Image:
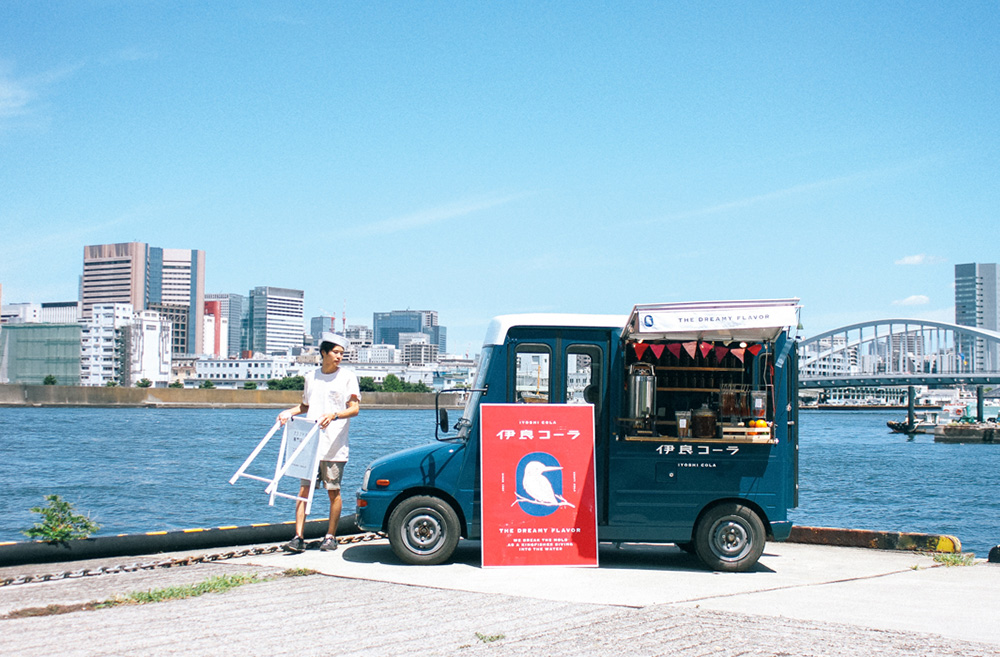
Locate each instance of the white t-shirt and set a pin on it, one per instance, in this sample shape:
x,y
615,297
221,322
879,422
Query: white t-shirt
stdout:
x,y
329,393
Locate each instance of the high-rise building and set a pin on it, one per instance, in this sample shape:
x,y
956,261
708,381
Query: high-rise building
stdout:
x,y
114,273
235,309
177,278
216,329
388,326
148,277
320,325
276,320
977,287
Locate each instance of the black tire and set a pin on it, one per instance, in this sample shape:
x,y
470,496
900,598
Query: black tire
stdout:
x,y
423,530
730,537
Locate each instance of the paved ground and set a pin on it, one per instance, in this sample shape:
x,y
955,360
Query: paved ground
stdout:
x,y
802,600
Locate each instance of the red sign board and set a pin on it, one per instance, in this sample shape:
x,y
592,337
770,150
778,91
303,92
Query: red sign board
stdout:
x,y
539,499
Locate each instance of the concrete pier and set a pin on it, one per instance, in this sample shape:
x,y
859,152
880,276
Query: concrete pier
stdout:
x,y
643,600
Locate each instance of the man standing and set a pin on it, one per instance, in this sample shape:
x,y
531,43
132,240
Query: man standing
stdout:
x,y
330,398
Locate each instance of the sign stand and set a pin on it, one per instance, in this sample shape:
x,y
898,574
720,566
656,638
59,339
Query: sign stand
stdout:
x,y
298,456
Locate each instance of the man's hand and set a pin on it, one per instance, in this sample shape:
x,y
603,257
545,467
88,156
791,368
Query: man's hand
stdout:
x,y
286,415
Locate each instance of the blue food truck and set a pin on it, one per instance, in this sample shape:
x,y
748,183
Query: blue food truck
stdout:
x,y
695,429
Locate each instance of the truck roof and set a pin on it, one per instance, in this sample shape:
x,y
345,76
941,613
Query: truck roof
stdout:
x,y
754,319
497,330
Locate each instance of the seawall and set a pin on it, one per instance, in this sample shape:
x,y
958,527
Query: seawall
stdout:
x,y
17,394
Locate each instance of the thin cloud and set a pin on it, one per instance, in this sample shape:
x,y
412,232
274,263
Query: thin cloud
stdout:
x,y
432,216
796,190
913,300
920,259
15,96
20,96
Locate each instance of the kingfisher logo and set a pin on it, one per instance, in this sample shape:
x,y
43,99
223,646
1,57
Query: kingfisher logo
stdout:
x,y
539,484
647,321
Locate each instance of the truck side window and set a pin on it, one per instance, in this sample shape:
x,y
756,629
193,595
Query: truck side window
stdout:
x,y
583,374
532,378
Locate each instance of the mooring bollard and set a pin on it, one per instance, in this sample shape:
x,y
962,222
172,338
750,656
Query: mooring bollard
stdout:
x,y
994,554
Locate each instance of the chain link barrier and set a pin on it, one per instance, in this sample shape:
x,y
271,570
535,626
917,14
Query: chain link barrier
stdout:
x,y
170,563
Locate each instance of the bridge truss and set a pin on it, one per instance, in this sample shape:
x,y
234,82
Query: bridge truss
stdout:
x,y
900,352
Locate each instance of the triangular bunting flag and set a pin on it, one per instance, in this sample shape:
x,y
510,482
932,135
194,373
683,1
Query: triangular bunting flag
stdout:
x,y
755,349
738,353
675,349
705,347
640,349
720,353
657,350
691,348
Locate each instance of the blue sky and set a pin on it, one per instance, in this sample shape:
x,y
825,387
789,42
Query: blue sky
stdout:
x,y
486,158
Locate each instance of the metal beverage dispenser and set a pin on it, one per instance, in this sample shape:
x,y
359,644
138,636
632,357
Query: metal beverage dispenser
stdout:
x,y
642,395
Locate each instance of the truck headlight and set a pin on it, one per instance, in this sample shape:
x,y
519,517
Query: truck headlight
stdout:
x,y
364,483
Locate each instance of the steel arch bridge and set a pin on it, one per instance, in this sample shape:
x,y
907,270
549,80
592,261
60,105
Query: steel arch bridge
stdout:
x,y
887,352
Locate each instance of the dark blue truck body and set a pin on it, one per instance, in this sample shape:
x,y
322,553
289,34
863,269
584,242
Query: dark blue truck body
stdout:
x,y
719,494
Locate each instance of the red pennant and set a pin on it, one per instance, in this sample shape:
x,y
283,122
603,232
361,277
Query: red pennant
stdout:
x,y
675,349
705,348
657,350
738,353
720,353
640,349
755,349
691,348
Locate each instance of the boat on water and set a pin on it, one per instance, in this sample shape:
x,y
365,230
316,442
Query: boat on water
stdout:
x,y
962,412
923,422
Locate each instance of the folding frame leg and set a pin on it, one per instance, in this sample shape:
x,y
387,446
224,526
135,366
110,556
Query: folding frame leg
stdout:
x,y
253,455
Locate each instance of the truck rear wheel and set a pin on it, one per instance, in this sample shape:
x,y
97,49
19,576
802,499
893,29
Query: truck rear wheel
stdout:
x,y
730,537
423,530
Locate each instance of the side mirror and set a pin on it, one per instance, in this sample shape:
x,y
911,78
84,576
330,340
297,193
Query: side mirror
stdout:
x,y
443,419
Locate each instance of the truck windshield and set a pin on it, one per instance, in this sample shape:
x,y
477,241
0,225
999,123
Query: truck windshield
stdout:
x,y
465,422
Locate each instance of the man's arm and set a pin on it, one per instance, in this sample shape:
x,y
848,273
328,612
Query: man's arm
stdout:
x,y
288,414
353,408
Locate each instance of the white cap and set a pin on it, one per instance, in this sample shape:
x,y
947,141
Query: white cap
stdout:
x,y
335,339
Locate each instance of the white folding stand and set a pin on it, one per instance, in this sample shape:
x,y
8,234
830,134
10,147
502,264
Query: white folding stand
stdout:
x,y
302,462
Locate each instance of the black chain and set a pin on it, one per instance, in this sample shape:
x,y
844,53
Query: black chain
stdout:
x,y
169,563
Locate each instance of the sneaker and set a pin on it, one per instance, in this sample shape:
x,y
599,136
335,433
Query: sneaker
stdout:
x,y
295,545
329,544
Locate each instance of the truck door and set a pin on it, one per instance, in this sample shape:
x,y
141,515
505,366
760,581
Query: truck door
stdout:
x,y
565,366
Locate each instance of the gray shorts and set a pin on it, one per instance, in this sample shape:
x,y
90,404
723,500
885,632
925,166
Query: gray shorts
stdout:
x,y
329,475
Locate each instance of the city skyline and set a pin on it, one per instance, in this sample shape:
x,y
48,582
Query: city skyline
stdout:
x,y
514,158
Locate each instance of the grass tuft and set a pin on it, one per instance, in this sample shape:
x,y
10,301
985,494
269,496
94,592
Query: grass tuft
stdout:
x,y
955,559
217,584
489,638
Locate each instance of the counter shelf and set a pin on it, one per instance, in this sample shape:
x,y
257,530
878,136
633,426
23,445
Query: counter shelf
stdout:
x,y
730,434
744,440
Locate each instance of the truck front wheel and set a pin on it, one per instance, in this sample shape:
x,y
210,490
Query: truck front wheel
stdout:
x,y
730,537
423,530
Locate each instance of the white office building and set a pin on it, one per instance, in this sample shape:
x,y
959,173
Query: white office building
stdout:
x,y
276,320
121,347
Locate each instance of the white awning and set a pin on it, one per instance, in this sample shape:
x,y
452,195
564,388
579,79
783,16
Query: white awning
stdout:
x,y
713,321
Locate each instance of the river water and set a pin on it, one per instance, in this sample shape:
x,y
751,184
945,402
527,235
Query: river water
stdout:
x,y
138,470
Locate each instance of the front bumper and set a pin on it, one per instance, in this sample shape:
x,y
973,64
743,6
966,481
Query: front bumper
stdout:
x,y
372,509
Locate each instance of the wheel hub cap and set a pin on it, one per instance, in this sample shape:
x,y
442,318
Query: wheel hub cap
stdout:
x,y
730,540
